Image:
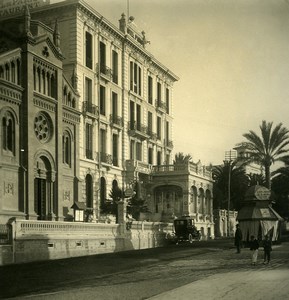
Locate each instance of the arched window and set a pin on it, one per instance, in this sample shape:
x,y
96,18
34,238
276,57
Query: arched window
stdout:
x,y
66,148
1,72
73,103
13,72
7,72
89,191
65,95
8,133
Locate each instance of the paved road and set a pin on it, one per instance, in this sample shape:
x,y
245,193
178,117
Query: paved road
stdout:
x,y
200,271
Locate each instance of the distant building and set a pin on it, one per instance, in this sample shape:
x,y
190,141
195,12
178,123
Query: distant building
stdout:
x,y
243,154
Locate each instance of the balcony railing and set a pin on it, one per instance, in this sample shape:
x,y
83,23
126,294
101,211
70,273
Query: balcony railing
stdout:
x,y
104,71
169,143
152,135
161,105
105,158
116,120
88,107
136,128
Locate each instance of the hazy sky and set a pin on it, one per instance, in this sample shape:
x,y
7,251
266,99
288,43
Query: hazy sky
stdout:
x,y
232,57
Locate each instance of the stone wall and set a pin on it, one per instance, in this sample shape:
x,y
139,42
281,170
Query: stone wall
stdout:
x,y
42,240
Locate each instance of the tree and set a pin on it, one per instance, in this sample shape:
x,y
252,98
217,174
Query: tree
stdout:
x,y
181,158
268,148
238,185
280,186
110,205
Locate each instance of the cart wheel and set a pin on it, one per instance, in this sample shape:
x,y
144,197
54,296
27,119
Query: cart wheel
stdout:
x,y
190,238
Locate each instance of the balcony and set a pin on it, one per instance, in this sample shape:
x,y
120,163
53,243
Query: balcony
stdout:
x,y
161,106
90,109
104,71
169,144
152,135
138,130
105,158
133,165
116,121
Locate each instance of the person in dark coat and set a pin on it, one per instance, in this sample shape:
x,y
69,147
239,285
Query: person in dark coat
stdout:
x,y
238,238
267,245
254,246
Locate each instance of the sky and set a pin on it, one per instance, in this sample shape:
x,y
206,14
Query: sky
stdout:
x,y
232,58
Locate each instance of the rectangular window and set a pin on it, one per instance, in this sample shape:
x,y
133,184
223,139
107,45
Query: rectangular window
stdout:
x,y
102,100
159,128
114,105
88,91
138,117
150,156
102,58
132,146
89,141
115,149
88,50
167,132
150,90
159,158
159,91
114,67
135,78
139,151
168,100
132,112
150,122
102,145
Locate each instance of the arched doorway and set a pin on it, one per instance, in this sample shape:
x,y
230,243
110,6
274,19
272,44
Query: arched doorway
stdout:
x,y
44,205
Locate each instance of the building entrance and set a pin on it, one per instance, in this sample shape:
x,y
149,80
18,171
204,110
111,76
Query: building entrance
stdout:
x,y
43,189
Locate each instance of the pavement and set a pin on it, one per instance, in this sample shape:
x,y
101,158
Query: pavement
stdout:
x,y
266,282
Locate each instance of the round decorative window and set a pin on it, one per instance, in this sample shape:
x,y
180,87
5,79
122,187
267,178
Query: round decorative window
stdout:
x,y
42,127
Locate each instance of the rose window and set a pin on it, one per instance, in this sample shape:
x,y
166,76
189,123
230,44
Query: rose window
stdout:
x,y
42,127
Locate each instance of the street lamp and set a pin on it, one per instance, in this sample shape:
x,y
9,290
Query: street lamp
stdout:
x,y
230,156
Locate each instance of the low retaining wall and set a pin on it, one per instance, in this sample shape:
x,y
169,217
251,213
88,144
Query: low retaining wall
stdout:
x,y
43,240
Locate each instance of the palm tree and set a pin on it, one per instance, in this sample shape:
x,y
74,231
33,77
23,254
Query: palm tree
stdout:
x,y
181,158
239,182
269,148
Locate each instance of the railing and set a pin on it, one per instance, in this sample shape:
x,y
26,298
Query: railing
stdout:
x,y
184,168
116,120
169,143
138,128
105,158
104,70
153,136
88,107
161,105
139,166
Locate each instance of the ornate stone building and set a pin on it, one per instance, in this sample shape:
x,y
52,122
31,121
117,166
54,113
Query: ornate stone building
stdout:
x,y
39,123
92,111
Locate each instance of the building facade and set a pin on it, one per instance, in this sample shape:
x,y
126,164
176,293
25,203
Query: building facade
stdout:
x,y
39,124
93,111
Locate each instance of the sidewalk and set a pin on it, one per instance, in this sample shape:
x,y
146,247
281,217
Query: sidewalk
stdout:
x,y
264,282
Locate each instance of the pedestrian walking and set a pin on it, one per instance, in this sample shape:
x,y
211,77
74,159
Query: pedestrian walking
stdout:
x,y
254,246
238,238
267,245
